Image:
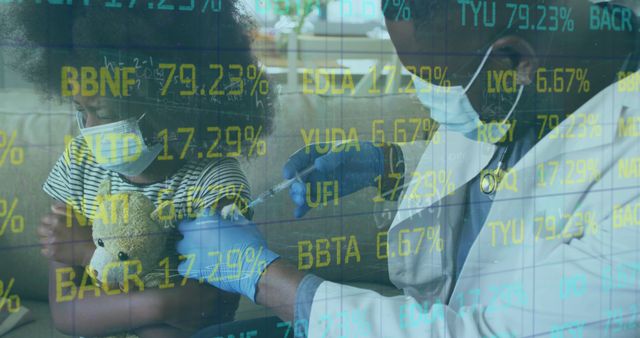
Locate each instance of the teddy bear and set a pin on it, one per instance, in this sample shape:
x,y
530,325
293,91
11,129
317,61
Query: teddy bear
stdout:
x,y
136,244
128,228
135,241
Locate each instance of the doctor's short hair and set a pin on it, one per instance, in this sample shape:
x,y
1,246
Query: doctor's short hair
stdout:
x,y
210,48
421,12
425,13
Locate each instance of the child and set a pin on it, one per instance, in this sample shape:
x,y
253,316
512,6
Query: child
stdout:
x,y
163,107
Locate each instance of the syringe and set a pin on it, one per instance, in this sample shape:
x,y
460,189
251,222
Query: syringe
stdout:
x,y
279,187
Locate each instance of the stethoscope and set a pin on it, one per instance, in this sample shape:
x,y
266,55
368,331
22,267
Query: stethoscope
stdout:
x,y
490,179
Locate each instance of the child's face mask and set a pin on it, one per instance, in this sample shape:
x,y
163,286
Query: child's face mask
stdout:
x,y
119,146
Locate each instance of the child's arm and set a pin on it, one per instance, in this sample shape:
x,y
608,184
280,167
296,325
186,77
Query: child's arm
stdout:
x,y
193,305
65,248
222,184
94,316
70,244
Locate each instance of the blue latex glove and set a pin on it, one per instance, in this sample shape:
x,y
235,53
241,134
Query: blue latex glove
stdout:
x,y
230,255
353,167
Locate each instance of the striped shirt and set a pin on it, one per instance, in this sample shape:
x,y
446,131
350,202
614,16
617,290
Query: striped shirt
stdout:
x,y
76,176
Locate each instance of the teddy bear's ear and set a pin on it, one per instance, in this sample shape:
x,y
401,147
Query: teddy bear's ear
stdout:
x,y
164,214
105,188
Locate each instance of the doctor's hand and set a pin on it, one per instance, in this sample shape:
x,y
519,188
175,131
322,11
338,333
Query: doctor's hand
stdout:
x,y
355,165
230,255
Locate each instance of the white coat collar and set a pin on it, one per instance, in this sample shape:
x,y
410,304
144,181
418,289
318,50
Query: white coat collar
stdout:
x,y
444,167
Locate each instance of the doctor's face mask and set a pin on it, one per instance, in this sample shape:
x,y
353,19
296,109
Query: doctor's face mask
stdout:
x,y
450,105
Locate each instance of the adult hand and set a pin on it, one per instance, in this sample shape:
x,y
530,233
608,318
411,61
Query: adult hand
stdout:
x,y
230,255
355,165
70,244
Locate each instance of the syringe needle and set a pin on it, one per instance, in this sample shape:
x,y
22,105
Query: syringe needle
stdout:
x,y
279,187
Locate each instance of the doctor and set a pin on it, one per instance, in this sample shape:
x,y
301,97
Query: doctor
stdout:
x,y
541,232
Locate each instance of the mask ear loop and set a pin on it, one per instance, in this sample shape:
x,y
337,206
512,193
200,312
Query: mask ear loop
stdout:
x,y
477,73
149,141
484,61
141,117
515,104
80,120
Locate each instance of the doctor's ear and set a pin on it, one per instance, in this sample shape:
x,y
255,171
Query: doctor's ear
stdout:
x,y
521,54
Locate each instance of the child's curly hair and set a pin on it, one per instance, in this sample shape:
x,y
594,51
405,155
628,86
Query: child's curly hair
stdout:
x,y
47,37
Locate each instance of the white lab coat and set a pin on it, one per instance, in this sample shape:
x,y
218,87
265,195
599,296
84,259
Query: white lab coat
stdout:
x,y
546,277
